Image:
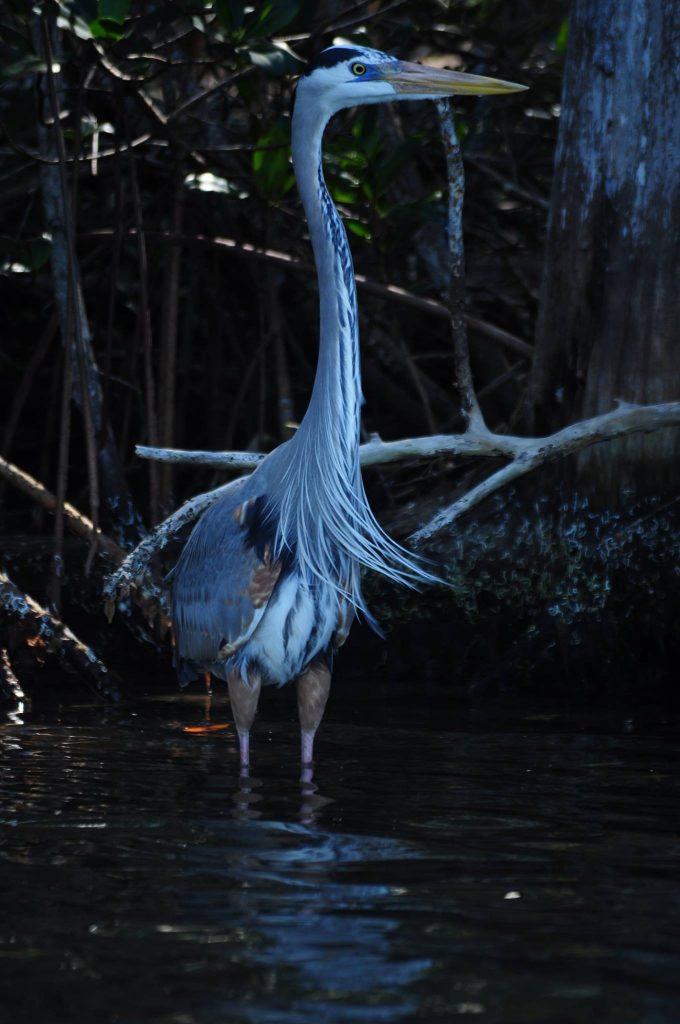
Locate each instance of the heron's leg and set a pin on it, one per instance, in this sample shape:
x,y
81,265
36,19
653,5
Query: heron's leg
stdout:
x,y
244,700
313,687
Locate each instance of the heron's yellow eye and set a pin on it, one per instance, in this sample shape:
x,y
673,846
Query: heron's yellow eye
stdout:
x,y
358,69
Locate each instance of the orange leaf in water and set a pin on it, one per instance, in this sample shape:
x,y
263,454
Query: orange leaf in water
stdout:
x,y
198,729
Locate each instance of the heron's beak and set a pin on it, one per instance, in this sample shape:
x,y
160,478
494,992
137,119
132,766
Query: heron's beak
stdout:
x,y
422,80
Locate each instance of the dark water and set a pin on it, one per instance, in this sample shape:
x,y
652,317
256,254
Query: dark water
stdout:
x,y
440,866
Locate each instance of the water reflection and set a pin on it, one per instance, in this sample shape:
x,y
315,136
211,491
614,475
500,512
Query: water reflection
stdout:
x,y
246,797
514,877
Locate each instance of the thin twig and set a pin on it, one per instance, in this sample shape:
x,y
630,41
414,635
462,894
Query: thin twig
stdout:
x,y
57,573
506,184
144,323
115,267
168,347
534,452
390,292
148,105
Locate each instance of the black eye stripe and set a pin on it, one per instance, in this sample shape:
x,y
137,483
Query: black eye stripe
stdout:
x,y
329,58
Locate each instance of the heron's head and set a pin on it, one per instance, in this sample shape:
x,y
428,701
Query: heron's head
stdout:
x,y
347,76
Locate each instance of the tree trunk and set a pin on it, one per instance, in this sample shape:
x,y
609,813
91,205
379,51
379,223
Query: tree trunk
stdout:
x,y
609,318
119,508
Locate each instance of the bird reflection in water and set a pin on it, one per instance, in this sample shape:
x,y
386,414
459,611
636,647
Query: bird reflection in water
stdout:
x,y
311,801
246,797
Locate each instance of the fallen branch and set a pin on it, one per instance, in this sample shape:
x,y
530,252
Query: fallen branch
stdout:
x,y
476,442
75,520
374,453
134,570
525,453
534,452
43,629
10,687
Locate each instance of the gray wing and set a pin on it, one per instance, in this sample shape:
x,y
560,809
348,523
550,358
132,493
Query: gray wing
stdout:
x,y
223,579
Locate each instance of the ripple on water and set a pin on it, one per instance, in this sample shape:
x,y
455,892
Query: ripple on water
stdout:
x,y
422,875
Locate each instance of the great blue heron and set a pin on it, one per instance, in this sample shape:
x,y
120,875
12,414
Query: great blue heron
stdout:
x,y
268,583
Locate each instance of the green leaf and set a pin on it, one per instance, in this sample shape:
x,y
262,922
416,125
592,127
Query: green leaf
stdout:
x,y
275,58
357,228
562,38
105,28
271,164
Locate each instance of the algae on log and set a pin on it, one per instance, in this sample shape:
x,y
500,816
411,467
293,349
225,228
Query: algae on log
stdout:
x,y
610,301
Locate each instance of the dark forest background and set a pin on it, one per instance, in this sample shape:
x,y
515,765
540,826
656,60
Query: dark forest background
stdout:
x,y
148,214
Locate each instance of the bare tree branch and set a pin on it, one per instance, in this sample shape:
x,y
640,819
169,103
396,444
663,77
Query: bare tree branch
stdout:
x,y
390,292
134,570
456,296
74,520
525,453
533,452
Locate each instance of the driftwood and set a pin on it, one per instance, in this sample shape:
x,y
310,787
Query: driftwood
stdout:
x,y
42,629
10,687
533,452
134,571
524,453
148,597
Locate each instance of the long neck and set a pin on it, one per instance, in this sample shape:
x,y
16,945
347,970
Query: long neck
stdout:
x,y
323,513
337,387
